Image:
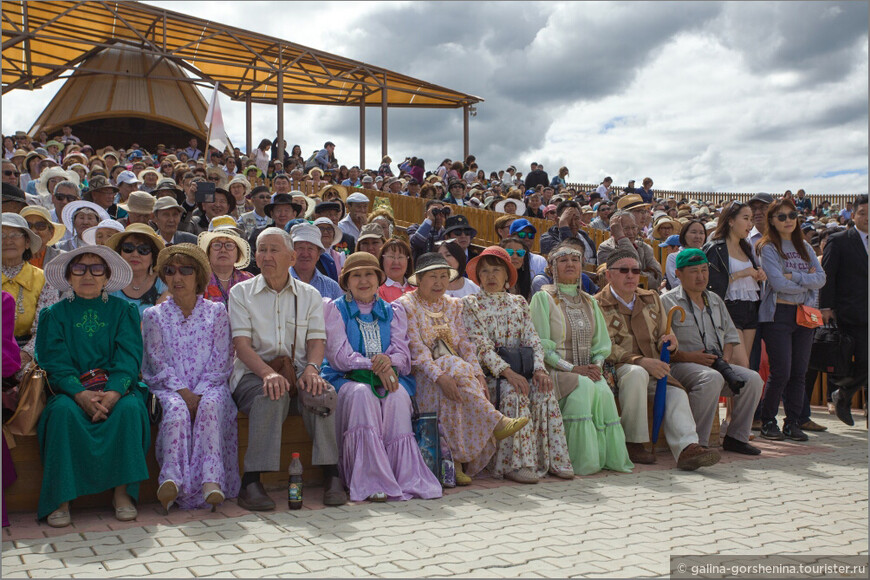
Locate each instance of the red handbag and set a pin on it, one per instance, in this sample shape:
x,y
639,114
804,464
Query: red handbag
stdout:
x,y
808,316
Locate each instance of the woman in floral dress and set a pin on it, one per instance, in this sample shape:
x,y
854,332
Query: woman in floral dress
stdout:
x,y
449,378
576,343
494,318
188,360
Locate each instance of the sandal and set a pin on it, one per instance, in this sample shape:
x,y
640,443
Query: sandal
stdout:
x,y
214,496
125,513
524,475
461,478
507,427
59,518
566,474
378,497
166,494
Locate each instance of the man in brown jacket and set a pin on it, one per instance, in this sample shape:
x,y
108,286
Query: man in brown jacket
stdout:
x,y
636,322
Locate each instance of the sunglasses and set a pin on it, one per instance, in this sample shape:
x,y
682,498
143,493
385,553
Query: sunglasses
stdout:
x,y
96,270
519,253
130,247
38,226
62,197
183,270
635,271
8,172
526,235
223,246
466,232
787,216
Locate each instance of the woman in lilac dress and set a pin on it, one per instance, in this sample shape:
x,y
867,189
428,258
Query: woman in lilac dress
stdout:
x,y
368,363
188,360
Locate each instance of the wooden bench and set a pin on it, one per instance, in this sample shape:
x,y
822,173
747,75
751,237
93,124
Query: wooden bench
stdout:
x,y
23,495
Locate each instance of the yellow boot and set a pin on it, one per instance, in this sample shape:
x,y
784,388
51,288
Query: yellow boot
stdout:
x,y
461,478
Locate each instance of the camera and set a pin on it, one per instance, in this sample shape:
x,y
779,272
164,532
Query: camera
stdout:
x,y
723,368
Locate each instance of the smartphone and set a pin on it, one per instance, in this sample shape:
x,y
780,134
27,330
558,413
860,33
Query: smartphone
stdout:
x,y
205,192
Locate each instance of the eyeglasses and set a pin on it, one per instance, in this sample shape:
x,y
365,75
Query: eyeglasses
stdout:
x,y
223,246
526,235
14,236
62,197
466,232
8,172
787,216
96,270
130,247
38,226
183,270
634,271
519,253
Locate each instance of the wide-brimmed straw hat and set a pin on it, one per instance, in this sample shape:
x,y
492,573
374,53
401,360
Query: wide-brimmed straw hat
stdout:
x,y
427,263
340,189
70,209
90,235
13,220
139,202
192,251
135,229
360,261
497,252
51,172
631,201
243,257
121,273
310,204
59,229
665,219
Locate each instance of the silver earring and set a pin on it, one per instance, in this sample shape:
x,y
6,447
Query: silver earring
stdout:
x,y
71,295
104,295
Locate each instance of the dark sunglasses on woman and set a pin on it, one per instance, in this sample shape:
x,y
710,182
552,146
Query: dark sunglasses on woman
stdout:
x,y
183,270
38,226
130,247
787,216
96,270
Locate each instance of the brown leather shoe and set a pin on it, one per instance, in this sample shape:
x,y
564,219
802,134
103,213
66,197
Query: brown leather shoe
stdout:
x,y
813,426
695,456
253,497
333,492
638,453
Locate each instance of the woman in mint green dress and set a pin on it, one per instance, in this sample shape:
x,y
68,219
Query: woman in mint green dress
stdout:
x,y
94,432
576,343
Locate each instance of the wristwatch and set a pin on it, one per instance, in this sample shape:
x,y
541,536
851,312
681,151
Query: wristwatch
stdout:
x,y
316,367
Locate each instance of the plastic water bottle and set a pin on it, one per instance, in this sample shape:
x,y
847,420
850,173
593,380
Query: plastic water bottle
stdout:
x,y
294,487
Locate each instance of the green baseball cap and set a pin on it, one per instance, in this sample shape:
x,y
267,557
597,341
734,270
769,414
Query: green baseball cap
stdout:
x,y
691,257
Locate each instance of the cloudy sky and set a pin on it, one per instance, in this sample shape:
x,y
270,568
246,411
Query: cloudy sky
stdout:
x,y
733,96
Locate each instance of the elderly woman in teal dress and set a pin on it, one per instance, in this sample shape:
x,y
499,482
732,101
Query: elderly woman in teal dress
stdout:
x,y
94,432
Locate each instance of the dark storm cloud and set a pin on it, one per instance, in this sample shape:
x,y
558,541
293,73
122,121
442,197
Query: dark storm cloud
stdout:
x,y
817,40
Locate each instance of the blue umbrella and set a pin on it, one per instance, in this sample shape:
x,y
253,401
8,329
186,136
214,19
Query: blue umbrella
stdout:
x,y
662,383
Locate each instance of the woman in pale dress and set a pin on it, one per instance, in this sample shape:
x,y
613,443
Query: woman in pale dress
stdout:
x,y
497,319
368,363
187,365
449,378
576,343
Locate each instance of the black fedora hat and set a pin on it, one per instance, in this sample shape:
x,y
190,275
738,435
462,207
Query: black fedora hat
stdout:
x,y
12,193
457,222
427,263
282,199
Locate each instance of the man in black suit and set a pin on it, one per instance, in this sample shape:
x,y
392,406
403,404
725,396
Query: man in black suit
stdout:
x,y
844,298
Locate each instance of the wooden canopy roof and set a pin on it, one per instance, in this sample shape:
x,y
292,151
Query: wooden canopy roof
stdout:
x,y
43,40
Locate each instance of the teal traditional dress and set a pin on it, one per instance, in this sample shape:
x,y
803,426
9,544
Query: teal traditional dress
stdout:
x,y
573,333
80,457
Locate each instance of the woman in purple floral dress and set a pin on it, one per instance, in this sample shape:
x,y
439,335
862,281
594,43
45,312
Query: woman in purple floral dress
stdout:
x,y
188,360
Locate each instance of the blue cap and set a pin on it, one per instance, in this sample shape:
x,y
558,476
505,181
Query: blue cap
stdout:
x,y
521,224
672,240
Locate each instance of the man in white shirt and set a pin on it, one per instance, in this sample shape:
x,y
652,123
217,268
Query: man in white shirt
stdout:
x,y
283,317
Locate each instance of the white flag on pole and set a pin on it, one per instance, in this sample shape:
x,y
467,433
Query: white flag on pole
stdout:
x,y
217,135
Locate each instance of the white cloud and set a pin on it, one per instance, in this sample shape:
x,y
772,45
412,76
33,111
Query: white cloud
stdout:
x,y
699,96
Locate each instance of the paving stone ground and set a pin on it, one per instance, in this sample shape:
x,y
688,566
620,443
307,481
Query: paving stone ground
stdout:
x,y
795,498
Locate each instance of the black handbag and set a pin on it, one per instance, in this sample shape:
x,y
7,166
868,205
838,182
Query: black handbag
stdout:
x,y
832,351
521,360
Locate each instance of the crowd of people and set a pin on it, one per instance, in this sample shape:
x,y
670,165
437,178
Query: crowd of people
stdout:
x,y
133,292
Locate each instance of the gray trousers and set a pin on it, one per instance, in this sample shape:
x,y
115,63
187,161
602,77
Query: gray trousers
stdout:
x,y
707,385
265,420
